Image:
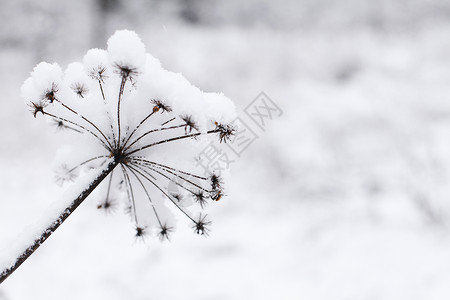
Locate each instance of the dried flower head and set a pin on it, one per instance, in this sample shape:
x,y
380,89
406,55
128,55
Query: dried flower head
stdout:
x,y
164,232
80,89
225,132
140,233
189,124
160,106
105,103
200,198
201,225
50,94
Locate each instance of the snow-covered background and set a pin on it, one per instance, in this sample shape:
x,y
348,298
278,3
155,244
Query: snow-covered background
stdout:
x,y
345,196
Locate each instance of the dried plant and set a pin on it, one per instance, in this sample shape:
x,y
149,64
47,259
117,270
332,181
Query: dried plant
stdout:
x,y
139,127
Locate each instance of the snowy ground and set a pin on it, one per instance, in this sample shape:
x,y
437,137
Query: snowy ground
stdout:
x,y
343,197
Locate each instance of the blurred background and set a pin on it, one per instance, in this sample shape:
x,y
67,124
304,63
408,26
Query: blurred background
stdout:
x,y
346,195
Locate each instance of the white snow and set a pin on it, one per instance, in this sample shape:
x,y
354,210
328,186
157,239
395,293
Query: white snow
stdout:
x,y
126,49
44,77
15,247
343,197
86,109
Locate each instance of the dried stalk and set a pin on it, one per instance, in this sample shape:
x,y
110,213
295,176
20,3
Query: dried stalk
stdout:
x,y
59,220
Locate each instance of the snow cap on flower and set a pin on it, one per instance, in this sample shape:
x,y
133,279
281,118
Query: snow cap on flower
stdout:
x,y
126,50
44,79
121,105
185,98
96,63
77,79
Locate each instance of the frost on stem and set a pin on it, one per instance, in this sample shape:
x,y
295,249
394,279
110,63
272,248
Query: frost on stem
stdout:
x,y
121,104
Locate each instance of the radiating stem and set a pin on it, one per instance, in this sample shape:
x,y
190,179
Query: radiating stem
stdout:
x,y
135,129
142,159
176,175
170,140
150,131
160,189
107,112
80,126
87,120
148,197
122,87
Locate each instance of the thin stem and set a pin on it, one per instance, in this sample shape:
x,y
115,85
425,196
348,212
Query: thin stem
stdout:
x,y
85,162
176,175
59,220
164,175
162,191
60,124
107,112
148,197
130,193
109,185
101,89
170,140
122,87
87,120
80,126
135,129
168,121
151,131
138,158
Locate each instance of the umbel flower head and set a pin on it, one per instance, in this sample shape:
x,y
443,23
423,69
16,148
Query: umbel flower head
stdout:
x,y
120,105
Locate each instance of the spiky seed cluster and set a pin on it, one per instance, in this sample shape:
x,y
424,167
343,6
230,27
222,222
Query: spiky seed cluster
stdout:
x,y
125,71
108,205
225,132
189,124
140,233
137,175
201,226
164,232
160,106
64,174
36,107
200,198
80,89
50,94
216,187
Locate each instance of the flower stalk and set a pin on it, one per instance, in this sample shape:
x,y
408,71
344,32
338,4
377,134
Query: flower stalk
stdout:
x,y
58,221
135,125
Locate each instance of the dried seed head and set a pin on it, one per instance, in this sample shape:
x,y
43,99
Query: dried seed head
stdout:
x,y
98,73
177,197
50,94
80,89
216,195
108,205
64,174
200,198
141,233
225,132
190,124
164,232
158,105
216,187
216,182
36,108
201,226
126,71
59,124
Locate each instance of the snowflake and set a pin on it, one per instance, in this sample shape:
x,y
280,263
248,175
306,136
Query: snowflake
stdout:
x,y
120,107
